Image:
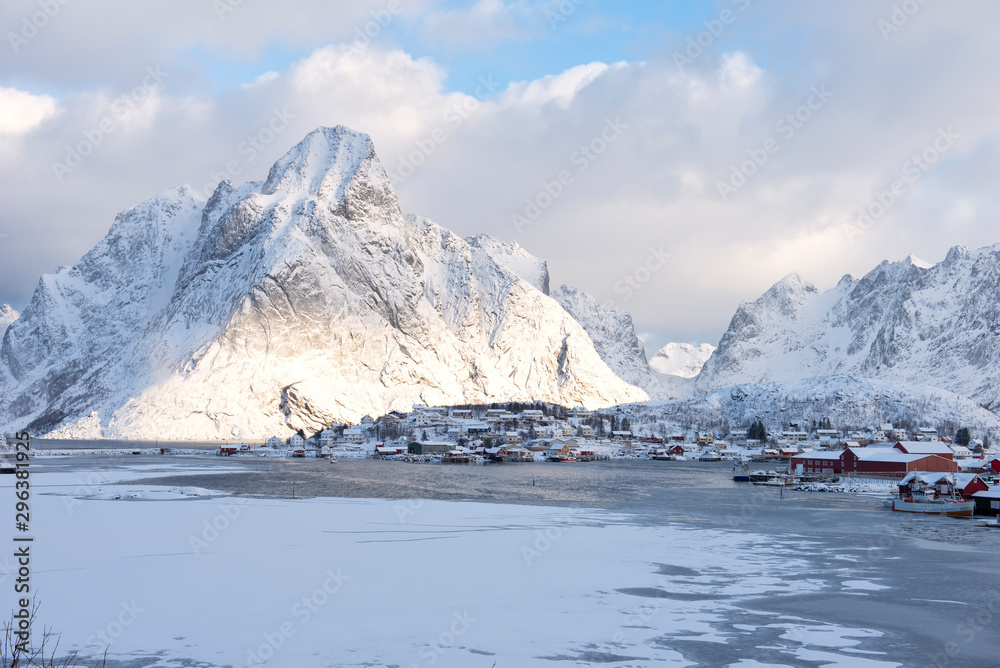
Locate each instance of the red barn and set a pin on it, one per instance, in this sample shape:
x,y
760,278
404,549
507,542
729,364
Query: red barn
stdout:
x,y
892,462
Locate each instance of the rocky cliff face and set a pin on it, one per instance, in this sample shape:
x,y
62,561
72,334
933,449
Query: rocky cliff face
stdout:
x,y
614,337
936,326
290,303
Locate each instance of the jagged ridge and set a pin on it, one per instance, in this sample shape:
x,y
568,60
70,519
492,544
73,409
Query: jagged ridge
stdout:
x,y
903,322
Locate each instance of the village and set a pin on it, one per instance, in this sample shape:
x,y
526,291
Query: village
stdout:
x,y
522,433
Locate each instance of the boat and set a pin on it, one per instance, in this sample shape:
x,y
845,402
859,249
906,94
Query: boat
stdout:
x,y
567,458
929,500
936,507
774,480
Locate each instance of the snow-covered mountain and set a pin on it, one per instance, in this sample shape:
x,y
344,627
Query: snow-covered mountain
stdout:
x,y
681,359
285,304
904,322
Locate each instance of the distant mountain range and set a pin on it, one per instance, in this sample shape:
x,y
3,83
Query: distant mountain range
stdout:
x,y
903,322
309,298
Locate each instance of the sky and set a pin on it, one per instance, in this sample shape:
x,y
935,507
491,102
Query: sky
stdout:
x,y
670,158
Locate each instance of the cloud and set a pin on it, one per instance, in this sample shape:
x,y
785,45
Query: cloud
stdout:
x,y
484,156
22,112
560,89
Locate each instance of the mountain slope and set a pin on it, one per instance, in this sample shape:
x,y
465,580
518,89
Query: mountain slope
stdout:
x,y
848,402
614,337
903,322
287,304
681,359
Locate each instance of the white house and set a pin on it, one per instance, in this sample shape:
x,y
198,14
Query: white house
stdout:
x,y
878,436
354,435
828,435
327,438
297,441
961,452
275,442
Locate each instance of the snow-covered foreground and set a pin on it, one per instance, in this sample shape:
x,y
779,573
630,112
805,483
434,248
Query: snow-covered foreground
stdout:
x,y
340,582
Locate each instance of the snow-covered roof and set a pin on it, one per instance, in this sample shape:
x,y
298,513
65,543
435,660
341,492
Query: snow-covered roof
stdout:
x,y
991,493
931,478
963,479
816,454
925,447
885,455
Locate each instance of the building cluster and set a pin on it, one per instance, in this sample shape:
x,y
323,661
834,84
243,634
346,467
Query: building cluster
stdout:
x,y
526,432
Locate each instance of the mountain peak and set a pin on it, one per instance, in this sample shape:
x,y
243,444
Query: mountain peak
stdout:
x,y
918,263
326,159
794,283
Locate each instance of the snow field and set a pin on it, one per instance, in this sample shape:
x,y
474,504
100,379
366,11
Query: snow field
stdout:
x,y
334,582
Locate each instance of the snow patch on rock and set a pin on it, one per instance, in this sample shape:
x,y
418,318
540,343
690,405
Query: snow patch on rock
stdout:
x,y
681,359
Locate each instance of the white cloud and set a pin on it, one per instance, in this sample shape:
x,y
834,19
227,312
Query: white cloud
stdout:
x,y
653,186
262,80
558,88
22,112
